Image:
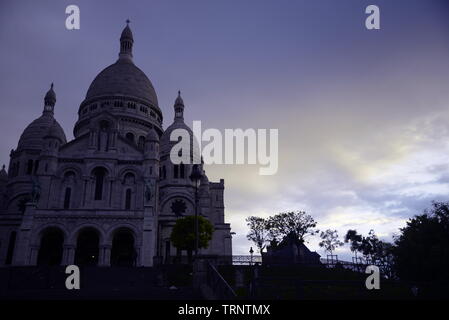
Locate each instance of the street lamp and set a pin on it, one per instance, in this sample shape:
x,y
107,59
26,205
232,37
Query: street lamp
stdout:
x,y
251,251
195,177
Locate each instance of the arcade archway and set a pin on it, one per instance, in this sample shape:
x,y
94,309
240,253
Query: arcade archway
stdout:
x,y
51,248
123,252
87,248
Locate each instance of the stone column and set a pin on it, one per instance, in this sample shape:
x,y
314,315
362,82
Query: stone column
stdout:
x,y
34,254
68,256
139,253
104,259
113,140
85,191
148,240
109,195
93,140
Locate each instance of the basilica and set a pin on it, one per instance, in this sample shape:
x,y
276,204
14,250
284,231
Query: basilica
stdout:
x,y
110,196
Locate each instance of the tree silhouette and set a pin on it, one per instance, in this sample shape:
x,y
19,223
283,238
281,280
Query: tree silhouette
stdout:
x,y
421,251
298,223
371,247
354,239
258,231
330,240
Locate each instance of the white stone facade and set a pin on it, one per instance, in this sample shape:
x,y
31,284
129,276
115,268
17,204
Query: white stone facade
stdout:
x,y
111,195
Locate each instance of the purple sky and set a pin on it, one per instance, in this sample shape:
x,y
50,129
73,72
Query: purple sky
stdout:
x,y
362,115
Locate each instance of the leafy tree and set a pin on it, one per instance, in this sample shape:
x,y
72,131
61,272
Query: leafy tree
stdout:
x,y
421,251
384,252
298,223
355,239
258,232
183,234
330,240
369,245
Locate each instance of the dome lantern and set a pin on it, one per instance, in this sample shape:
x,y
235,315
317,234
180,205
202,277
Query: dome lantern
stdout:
x,y
126,43
179,107
50,100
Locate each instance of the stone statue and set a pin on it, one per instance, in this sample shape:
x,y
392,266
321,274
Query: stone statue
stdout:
x,y
103,140
148,187
35,191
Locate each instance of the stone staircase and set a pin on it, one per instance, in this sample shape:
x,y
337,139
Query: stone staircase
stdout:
x,y
97,283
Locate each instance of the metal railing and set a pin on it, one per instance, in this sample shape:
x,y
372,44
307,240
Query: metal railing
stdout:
x,y
360,265
246,260
221,289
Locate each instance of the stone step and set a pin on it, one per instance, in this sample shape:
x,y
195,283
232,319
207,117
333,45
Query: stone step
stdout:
x,y
125,283
150,293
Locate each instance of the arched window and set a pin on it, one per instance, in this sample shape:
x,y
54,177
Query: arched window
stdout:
x,y
141,143
182,171
129,179
51,248
175,171
36,166
128,199
69,177
104,125
130,137
11,246
123,252
30,167
99,174
164,172
67,196
87,247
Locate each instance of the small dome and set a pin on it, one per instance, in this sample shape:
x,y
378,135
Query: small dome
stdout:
x,y
152,135
165,139
56,132
34,134
123,78
3,174
178,123
204,179
166,144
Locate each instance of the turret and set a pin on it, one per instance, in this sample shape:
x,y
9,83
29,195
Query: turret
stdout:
x,y
151,153
3,183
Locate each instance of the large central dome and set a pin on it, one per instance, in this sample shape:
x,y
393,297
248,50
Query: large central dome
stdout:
x,y
125,79
125,92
